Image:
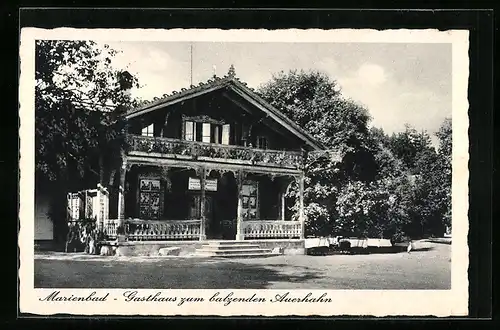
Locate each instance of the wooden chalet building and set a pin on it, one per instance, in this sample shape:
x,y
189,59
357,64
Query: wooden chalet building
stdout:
x,y
212,162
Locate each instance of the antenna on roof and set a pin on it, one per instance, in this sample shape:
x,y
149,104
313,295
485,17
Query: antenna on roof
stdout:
x,y
191,65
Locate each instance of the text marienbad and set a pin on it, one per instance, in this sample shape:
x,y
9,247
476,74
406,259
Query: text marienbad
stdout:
x,y
225,299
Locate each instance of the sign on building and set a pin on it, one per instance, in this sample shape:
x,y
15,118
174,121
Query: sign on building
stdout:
x,y
195,184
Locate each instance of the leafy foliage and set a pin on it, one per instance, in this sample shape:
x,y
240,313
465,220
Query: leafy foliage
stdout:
x,y
79,97
444,173
314,102
367,183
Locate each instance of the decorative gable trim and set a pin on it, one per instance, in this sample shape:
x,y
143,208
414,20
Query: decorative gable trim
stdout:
x,y
176,98
278,117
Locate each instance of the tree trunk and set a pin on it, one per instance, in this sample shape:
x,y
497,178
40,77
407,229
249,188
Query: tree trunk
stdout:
x,y
112,178
101,169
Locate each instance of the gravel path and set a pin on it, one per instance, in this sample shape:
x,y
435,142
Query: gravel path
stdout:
x,y
429,269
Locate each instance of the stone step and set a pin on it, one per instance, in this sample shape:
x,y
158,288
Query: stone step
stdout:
x,y
229,247
233,251
228,242
245,255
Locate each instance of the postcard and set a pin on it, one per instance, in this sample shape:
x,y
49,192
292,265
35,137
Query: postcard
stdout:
x,y
359,208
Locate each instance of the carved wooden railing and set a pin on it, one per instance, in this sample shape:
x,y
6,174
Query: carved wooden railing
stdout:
x,y
271,229
111,227
148,230
195,149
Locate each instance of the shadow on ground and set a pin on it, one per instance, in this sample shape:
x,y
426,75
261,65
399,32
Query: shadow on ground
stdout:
x,y
424,249
184,274
425,268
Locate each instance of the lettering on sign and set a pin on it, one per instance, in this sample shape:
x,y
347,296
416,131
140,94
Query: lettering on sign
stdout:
x,y
195,184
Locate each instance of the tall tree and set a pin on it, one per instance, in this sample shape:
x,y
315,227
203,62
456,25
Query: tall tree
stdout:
x,y
367,183
409,146
314,102
428,173
378,208
444,135
79,97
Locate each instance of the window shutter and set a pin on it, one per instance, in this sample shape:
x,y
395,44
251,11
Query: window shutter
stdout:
x,y
189,131
225,133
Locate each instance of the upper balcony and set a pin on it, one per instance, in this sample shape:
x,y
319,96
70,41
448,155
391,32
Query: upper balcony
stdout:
x,y
172,148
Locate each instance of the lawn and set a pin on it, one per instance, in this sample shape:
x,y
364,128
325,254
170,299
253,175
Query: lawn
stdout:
x,y
429,269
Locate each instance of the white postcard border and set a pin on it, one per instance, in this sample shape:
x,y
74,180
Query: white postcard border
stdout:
x,y
345,302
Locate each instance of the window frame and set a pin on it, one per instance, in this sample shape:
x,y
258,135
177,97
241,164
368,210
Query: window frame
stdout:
x,y
204,134
150,193
215,135
185,130
149,130
246,210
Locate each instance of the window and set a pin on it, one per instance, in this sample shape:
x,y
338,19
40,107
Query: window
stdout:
x,y
225,134
250,203
149,199
206,132
206,135
189,131
261,142
148,130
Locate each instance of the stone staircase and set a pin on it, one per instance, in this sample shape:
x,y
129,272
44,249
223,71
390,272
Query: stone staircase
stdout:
x,y
234,249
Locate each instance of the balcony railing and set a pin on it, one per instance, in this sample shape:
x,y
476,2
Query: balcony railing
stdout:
x,y
194,149
144,230
271,229
149,230
110,228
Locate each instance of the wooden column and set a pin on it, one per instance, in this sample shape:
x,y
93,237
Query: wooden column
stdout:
x,y
203,180
301,205
121,191
283,202
239,214
99,221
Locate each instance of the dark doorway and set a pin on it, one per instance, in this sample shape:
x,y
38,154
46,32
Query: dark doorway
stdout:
x,y
225,208
194,212
221,202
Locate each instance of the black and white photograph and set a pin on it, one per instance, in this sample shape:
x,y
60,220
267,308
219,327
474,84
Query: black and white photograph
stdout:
x,y
186,161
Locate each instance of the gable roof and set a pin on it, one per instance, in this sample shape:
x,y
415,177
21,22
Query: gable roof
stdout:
x,y
239,88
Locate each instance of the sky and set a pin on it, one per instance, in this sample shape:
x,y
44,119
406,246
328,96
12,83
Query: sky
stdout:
x,y
398,83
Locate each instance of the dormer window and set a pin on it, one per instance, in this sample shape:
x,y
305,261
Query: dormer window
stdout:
x,y
148,130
